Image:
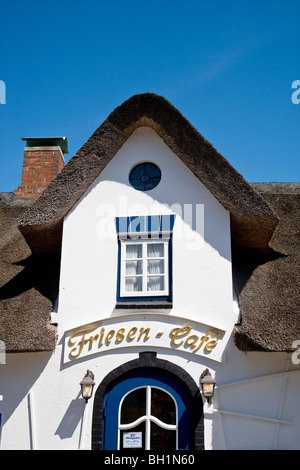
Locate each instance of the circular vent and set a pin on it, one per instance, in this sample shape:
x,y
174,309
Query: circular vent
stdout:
x,y
145,176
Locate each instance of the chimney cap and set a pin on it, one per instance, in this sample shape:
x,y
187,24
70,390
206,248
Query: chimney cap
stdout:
x,y
61,142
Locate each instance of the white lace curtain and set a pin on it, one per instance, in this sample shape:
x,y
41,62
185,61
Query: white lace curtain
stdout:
x,y
136,256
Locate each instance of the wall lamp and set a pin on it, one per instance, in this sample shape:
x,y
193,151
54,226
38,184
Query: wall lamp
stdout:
x,y
87,385
207,383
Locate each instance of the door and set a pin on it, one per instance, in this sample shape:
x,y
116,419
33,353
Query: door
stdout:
x,y
149,411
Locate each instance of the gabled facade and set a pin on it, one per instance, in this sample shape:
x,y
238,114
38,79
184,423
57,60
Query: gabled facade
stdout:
x,y
156,256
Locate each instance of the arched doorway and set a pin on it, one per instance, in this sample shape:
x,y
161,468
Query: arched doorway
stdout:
x,y
148,404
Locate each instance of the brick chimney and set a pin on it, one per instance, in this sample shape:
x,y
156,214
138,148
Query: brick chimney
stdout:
x,y
43,160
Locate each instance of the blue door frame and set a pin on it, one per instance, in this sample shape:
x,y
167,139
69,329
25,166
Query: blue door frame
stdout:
x,y
142,378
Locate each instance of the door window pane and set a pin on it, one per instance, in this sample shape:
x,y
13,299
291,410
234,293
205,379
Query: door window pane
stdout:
x,y
163,406
134,406
162,439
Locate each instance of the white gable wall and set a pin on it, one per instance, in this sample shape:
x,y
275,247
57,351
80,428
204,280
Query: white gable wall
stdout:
x,y
201,244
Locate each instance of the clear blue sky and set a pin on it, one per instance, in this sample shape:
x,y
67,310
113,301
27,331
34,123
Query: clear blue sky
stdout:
x,y
227,65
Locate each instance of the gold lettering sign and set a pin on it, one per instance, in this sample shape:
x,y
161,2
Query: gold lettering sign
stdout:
x,y
79,338
180,336
149,330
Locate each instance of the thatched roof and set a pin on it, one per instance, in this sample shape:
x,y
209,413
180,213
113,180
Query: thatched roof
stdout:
x,y
265,255
269,286
252,220
28,285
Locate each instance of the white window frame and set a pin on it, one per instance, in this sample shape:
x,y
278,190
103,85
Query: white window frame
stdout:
x,y
148,418
144,292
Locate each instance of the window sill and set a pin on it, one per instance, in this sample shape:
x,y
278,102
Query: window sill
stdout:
x,y
141,304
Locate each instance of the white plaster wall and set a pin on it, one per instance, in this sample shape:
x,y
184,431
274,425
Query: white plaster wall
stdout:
x,y
266,412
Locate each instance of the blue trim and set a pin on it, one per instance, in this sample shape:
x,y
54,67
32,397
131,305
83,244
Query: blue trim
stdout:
x,y
141,379
145,224
170,297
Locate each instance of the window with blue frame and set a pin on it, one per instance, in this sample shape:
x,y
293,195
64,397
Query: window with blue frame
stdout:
x,y
145,257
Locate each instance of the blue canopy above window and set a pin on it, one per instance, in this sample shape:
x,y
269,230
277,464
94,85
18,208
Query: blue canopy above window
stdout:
x,y
144,226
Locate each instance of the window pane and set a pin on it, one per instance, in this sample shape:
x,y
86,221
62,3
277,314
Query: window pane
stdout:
x,y
139,428
133,284
155,283
134,267
155,266
133,406
133,251
155,250
163,406
162,439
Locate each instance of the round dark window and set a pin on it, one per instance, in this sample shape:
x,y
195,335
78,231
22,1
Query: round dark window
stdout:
x,y
145,176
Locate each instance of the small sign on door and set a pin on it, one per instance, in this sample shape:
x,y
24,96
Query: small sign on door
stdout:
x,y
132,440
